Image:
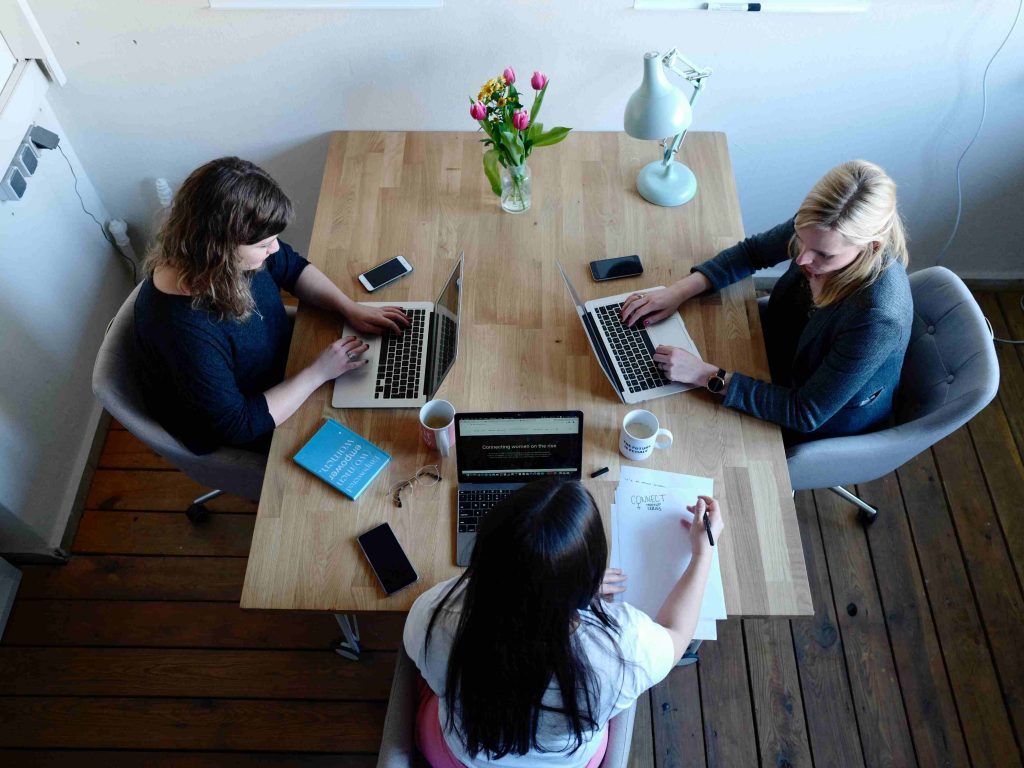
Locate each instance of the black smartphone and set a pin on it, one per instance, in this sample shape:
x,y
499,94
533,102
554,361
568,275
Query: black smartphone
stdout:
x,y
385,273
612,269
387,559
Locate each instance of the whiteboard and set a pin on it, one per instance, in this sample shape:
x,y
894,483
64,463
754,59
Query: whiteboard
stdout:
x,y
765,6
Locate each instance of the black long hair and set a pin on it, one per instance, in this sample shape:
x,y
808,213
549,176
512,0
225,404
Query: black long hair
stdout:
x,y
538,562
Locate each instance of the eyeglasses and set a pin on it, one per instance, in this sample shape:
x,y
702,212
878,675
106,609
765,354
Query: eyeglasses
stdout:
x,y
426,476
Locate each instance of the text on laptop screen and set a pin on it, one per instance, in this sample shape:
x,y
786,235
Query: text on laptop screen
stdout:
x,y
514,449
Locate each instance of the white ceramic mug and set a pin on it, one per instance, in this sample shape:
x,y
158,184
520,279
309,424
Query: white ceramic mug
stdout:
x,y
641,434
437,425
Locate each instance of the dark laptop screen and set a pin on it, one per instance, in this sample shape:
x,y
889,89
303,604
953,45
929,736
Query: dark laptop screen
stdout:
x,y
443,339
518,447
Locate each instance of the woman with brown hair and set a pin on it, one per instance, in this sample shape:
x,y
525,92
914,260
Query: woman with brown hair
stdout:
x,y
212,332
838,321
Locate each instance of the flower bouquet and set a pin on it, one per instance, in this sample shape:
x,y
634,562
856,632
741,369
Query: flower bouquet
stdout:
x,y
512,133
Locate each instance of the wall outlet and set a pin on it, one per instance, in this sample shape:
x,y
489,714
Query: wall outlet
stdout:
x,y
13,185
26,159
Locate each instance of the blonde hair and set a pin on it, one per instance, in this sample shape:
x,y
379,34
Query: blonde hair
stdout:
x,y
224,204
858,201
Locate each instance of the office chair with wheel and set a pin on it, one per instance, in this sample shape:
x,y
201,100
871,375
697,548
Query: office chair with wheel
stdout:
x,y
949,374
115,384
398,743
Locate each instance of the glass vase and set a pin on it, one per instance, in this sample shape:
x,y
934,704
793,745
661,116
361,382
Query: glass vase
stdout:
x,y
515,188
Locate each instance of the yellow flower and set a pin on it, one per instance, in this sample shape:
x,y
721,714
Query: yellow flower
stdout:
x,y
501,79
502,101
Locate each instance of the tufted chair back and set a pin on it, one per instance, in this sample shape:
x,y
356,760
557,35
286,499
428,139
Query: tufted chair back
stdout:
x,y
949,374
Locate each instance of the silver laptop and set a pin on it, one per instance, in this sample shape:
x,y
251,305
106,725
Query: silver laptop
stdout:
x,y
499,453
405,370
626,355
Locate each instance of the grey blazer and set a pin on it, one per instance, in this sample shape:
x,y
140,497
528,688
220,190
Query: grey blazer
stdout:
x,y
834,372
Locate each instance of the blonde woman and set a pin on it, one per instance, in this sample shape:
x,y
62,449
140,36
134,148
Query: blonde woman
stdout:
x,y
837,323
211,330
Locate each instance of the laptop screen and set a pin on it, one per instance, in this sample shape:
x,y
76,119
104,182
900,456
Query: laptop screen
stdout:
x,y
519,447
443,339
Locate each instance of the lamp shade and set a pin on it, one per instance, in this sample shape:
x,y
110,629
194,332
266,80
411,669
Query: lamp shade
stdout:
x,y
657,108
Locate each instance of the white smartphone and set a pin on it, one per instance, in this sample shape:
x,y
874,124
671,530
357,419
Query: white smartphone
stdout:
x,y
385,273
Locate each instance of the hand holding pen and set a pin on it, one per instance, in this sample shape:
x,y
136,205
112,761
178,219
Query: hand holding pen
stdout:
x,y
708,515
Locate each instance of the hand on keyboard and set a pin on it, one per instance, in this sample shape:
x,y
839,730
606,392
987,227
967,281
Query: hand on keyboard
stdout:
x,y
377,320
679,365
650,306
340,357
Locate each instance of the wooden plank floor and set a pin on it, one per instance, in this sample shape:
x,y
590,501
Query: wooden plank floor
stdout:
x,y
136,653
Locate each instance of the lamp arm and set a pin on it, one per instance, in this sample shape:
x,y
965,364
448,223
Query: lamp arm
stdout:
x,y
692,73
677,141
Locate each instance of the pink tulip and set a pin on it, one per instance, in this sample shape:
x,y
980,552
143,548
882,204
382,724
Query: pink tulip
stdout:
x,y
521,119
510,75
538,81
478,111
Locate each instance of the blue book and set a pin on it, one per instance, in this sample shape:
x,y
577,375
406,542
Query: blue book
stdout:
x,y
341,458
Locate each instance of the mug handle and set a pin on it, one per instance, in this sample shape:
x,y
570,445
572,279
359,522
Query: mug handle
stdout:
x,y
443,443
666,443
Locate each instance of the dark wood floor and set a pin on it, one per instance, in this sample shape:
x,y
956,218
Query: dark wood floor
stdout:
x,y
136,653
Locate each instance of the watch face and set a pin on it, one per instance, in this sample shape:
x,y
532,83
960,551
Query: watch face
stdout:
x,y
715,384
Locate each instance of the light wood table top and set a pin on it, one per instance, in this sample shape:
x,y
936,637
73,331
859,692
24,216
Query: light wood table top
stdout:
x,y
521,347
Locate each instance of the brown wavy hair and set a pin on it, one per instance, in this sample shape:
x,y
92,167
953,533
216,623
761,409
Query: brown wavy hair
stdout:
x,y
224,204
857,199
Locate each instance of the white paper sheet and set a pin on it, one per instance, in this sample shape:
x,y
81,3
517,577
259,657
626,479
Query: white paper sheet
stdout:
x,y
650,544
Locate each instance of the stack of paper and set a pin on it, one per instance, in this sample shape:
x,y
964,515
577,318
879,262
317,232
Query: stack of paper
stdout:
x,y
653,548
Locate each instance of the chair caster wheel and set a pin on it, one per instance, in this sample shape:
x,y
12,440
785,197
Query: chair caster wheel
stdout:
x,y
866,518
197,513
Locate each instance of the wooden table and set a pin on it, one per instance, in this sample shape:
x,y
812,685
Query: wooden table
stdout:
x,y
521,347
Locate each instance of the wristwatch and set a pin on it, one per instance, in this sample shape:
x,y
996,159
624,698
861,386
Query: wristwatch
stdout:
x,y
717,382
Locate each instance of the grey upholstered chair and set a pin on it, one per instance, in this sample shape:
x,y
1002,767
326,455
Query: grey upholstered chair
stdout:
x,y
398,744
116,386
949,374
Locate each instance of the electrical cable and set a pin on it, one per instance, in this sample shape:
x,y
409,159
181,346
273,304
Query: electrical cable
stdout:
x,y
977,132
992,331
103,231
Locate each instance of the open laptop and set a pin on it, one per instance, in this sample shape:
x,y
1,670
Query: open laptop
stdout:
x,y
498,453
405,370
626,355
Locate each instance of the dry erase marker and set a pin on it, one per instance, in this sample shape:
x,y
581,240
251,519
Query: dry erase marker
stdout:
x,y
707,527
599,472
747,7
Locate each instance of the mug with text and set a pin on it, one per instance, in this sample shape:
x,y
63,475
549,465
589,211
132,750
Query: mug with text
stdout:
x,y
641,434
437,425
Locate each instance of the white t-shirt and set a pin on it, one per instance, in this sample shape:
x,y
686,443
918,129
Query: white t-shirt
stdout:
x,y
645,645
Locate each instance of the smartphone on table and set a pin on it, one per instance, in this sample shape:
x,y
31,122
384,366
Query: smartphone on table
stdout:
x,y
387,559
612,269
385,273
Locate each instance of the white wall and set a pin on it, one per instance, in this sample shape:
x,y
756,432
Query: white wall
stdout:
x,y
62,283
157,88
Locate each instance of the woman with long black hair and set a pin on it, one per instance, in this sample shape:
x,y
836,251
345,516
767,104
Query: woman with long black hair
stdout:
x,y
523,662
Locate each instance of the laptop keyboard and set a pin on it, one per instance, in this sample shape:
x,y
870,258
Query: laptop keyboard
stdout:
x,y
401,356
632,350
473,505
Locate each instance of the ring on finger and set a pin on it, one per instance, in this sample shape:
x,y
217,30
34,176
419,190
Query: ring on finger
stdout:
x,y
352,356
641,295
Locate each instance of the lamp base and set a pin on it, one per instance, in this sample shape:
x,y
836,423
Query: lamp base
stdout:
x,y
667,185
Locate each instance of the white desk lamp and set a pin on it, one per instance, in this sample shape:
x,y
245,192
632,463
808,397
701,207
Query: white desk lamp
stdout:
x,y
657,110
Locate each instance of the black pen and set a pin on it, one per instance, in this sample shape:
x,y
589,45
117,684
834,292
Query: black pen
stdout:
x,y
707,527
